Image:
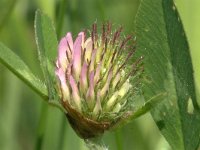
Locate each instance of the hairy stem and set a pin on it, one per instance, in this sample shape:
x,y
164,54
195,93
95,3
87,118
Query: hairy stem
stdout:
x,y
95,144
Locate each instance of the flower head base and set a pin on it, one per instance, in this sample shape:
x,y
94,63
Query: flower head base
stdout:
x,y
96,80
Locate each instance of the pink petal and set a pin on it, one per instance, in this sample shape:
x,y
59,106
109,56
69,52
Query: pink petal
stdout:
x,y
69,70
69,40
83,77
62,59
60,74
82,34
77,57
90,93
75,92
66,43
65,90
69,45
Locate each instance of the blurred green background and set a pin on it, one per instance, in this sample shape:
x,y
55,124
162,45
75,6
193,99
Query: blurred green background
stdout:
x,y
28,123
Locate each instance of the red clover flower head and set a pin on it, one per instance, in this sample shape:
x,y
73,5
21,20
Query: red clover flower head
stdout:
x,y
95,78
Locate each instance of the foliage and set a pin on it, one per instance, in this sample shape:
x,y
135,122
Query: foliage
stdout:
x,y
168,84
169,68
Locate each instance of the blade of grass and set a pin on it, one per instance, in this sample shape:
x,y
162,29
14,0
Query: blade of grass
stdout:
x,y
21,70
61,15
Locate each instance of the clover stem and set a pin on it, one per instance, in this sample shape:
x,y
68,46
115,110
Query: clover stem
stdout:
x,y
95,144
